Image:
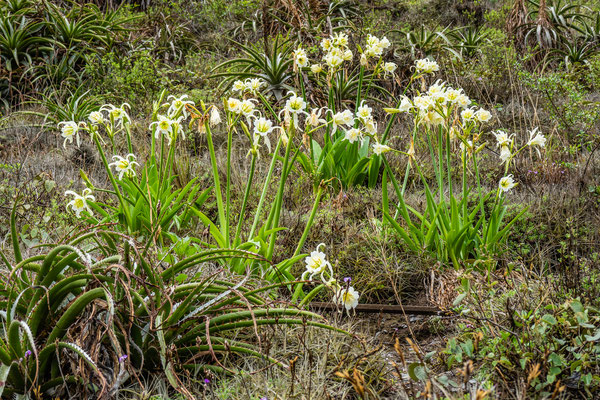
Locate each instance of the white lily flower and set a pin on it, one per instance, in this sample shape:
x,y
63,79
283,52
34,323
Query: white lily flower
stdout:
x,y
483,115
263,126
253,85
467,115
426,66
353,134
379,148
423,103
364,112
333,60
316,68
238,86
348,297
234,105
124,165
505,153
314,119
536,138
300,58
96,117
507,183
452,95
317,264
247,109
215,117
502,138
167,126
389,68
79,202
178,105
370,126
340,39
342,118
463,100
68,130
117,114
294,106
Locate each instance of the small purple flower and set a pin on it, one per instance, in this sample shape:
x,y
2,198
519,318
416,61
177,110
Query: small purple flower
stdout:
x,y
347,279
27,353
206,381
123,358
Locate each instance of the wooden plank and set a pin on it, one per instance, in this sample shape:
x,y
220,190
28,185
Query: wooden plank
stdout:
x,y
381,308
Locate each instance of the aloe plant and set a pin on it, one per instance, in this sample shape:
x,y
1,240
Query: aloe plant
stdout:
x,y
272,66
150,319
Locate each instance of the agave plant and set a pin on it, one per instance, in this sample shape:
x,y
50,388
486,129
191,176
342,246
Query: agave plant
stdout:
x,y
272,66
466,42
573,52
590,30
423,42
87,314
19,43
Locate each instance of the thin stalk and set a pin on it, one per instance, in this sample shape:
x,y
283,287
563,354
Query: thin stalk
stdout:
x,y
245,201
310,221
264,191
228,185
213,161
113,181
274,222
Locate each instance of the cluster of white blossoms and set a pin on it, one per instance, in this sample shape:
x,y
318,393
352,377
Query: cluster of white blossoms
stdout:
x,y
505,142
250,85
169,125
116,119
375,46
426,66
434,106
336,50
317,264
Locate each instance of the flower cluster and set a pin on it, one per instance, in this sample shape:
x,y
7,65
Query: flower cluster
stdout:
x,y
435,106
375,46
250,85
336,50
426,66
505,143
317,264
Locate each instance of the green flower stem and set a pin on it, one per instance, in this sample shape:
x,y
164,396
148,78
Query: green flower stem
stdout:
x,y
128,135
310,221
161,161
124,205
245,201
274,221
358,92
213,161
228,186
268,106
264,191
